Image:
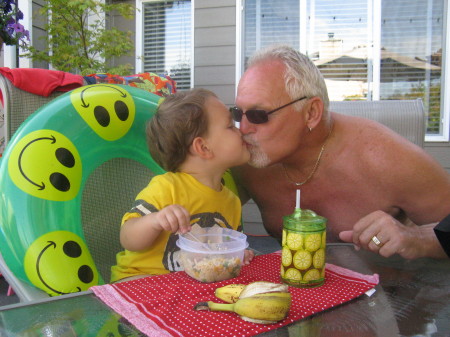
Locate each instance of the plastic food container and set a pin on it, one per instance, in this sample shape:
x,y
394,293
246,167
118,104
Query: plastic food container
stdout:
x,y
212,254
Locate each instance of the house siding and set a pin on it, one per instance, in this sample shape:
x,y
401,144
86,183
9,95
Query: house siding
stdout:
x,y
114,19
215,47
39,34
439,151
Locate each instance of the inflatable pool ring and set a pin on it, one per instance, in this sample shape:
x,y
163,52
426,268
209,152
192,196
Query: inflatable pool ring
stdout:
x,y
43,172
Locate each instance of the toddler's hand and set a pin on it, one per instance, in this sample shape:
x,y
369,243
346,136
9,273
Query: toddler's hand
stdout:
x,y
248,256
174,218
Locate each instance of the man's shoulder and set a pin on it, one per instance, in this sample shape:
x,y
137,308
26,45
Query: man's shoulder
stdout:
x,y
371,139
390,159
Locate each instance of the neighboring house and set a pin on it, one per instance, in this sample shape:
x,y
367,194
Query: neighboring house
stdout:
x,y
366,49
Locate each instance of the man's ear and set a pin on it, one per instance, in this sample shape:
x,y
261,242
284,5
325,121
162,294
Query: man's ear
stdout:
x,y
314,114
199,147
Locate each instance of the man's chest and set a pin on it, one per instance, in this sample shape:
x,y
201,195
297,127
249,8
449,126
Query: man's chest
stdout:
x,y
342,201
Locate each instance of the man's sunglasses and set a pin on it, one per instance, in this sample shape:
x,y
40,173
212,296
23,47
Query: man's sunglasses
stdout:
x,y
257,116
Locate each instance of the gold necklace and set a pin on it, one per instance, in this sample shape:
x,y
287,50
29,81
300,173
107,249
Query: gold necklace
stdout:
x,y
316,165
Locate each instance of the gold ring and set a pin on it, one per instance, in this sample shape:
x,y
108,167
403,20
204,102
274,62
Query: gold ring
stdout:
x,y
376,240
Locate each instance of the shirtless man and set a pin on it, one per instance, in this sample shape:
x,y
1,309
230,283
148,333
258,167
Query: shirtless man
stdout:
x,y
376,189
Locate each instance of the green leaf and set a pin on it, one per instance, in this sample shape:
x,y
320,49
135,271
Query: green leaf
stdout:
x,y
79,40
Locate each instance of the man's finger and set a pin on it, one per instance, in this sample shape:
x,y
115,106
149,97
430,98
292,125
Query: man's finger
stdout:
x,y
346,236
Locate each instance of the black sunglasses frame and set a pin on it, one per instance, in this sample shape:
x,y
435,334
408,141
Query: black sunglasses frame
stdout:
x,y
256,116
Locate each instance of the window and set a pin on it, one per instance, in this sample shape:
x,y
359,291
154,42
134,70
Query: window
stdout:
x,y
268,22
366,49
167,40
411,54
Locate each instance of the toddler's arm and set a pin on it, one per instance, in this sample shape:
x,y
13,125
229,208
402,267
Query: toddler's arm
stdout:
x,y
248,256
140,233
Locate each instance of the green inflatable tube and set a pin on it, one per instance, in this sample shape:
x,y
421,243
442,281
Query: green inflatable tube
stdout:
x,y
43,172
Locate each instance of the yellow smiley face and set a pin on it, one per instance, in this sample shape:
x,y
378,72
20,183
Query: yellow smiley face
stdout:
x,y
108,109
59,263
46,164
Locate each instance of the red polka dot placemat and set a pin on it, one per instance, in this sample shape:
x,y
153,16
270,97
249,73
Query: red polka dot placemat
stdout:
x,y
163,305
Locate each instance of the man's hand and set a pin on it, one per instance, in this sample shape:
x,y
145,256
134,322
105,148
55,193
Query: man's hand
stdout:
x,y
382,234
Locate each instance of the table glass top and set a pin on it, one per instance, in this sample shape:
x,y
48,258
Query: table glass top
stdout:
x,y
412,299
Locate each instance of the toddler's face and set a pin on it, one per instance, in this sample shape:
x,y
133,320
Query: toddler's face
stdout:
x,y
223,136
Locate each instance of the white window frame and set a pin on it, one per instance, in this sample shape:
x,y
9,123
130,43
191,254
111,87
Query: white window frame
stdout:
x,y
445,84
139,45
375,18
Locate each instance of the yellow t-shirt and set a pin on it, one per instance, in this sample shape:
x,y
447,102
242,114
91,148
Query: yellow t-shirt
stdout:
x,y
206,206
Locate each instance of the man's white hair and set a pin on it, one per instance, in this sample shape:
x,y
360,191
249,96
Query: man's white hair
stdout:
x,y
302,77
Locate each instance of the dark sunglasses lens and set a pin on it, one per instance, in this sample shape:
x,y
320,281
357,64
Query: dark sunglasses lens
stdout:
x,y
257,116
236,114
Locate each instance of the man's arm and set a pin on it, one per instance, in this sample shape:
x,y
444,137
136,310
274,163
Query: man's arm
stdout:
x,y
419,186
415,184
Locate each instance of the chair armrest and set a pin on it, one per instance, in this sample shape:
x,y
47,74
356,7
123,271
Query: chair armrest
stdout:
x,y
23,290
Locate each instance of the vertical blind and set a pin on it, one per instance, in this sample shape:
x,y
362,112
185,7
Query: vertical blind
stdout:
x,y
340,39
267,22
167,40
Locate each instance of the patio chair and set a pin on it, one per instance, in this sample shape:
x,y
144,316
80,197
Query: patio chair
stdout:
x,y
406,117
107,195
18,105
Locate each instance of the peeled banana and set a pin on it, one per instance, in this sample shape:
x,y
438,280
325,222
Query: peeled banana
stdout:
x,y
229,293
258,302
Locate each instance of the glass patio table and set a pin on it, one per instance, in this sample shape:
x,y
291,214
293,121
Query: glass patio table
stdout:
x,y
412,299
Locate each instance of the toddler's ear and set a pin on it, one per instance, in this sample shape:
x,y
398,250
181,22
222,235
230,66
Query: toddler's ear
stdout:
x,y
200,148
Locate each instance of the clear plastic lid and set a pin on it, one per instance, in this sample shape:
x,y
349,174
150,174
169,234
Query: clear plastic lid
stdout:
x,y
304,220
213,241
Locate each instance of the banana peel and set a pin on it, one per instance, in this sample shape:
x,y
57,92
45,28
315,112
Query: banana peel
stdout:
x,y
263,287
258,302
232,292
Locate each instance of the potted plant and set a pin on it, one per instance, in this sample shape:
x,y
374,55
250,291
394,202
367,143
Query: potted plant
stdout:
x,y
12,33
